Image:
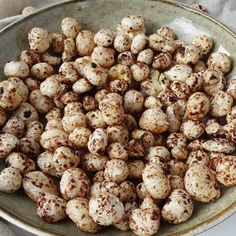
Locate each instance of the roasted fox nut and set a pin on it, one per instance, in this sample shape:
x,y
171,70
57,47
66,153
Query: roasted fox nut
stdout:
x,y
154,120
51,208
14,126
93,162
85,42
10,96
192,129
74,183
106,209
35,183
78,211
178,207
136,148
39,39
221,104
112,109
53,138
220,61
133,101
16,68
116,170
97,141
201,184
70,27
8,142
21,162
104,37
225,170
198,106
10,180
156,182
146,219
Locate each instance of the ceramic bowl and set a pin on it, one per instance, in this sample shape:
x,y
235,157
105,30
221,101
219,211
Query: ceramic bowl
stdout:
x,y
94,14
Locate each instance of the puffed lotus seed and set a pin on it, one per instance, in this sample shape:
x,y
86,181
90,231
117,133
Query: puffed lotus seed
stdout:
x,y
146,117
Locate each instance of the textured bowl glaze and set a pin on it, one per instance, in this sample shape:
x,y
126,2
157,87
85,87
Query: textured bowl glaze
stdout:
x,y
94,14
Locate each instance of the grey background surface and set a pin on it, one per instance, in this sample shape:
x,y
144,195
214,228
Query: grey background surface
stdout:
x,y
224,10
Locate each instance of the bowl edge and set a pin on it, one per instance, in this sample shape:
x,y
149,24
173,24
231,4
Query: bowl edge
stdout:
x,y
201,227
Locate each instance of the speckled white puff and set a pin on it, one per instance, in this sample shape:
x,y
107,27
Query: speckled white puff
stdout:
x,y
106,209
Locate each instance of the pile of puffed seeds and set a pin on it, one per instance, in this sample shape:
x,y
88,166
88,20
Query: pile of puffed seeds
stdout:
x,y
134,128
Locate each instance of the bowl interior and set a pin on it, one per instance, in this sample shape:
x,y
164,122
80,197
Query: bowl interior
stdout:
x,y
94,14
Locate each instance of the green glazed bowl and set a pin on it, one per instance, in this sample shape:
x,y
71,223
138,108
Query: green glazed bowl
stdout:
x,y
94,14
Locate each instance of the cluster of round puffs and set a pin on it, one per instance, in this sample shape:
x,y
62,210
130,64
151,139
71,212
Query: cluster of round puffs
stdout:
x,y
134,128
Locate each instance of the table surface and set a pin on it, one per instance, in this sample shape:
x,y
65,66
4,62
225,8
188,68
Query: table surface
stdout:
x,y
225,10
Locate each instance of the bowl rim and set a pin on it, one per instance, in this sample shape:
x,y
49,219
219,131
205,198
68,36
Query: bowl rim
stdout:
x,y
196,229
170,2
